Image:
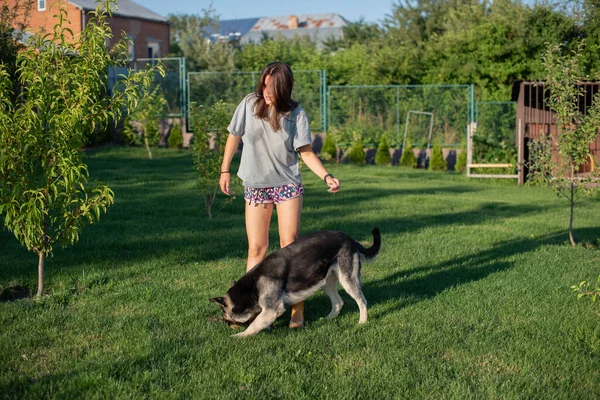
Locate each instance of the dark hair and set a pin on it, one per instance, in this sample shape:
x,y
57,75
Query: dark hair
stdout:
x,y
282,83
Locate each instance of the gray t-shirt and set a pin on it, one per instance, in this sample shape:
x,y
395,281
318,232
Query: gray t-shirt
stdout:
x,y
269,158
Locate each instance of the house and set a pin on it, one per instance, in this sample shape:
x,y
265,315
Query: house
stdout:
x,y
318,27
535,118
148,31
232,29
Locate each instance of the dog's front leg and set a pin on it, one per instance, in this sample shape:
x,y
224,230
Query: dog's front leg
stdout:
x,y
264,319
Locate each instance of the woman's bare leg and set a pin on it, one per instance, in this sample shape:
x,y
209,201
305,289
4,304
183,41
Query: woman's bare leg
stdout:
x,y
288,221
258,219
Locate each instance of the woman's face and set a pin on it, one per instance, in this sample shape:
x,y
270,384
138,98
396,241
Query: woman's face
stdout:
x,y
267,92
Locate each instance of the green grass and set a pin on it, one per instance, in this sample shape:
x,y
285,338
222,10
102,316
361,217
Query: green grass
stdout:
x,y
470,297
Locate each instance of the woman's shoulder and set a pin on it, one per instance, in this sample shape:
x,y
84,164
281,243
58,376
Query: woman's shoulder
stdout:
x,y
250,98
299,113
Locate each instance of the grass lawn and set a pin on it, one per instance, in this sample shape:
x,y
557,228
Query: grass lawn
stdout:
x,y
470,296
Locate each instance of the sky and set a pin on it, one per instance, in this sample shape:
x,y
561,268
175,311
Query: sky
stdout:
x,y
352,10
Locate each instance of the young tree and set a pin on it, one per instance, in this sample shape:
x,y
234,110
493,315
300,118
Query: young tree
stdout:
x,y
209,143
356,154
408,158
45,195
577,129
329,150
437,163
382,157
142,124
175,140
461,161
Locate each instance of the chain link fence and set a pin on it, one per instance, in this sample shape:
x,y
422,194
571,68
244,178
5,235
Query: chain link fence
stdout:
x,y
206,88
494,139
424,113
172,85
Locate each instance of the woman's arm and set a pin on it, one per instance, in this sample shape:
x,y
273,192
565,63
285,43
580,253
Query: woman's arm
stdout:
x,y
314,163
230,147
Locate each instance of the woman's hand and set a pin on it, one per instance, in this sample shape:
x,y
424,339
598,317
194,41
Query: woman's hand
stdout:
x,y
333,183
224,182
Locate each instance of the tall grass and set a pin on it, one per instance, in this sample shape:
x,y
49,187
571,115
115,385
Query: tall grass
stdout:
x,y
470,297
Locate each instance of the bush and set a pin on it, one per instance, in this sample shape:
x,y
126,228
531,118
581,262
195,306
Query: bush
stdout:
x,y
356,155
461,161
175,140
437,163
408,158
329,149
383,152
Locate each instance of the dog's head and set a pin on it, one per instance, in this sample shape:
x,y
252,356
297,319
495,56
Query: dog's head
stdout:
x,y
236,307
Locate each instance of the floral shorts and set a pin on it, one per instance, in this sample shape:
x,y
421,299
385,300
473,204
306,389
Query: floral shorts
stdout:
x,y
277,194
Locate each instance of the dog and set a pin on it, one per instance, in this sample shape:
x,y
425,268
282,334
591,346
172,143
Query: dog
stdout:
x,y
293,273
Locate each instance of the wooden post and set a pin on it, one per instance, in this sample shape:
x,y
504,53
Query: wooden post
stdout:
x,y
470,132
521,153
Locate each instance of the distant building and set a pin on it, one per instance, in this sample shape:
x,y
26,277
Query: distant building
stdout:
x,y
148,31
232,29
318,27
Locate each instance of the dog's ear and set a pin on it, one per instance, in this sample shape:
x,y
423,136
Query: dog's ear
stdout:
x,y
218,300
232,284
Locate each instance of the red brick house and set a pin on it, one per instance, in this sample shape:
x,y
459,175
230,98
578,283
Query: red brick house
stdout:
x,y
148,30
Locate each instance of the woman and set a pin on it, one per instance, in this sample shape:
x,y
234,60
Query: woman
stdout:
x,y
274,129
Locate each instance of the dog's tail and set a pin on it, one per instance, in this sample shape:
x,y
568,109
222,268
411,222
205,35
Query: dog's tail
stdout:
x,y
372,251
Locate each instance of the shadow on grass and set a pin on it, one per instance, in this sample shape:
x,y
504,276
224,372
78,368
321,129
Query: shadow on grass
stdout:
x,y
158,212
430,280
174,224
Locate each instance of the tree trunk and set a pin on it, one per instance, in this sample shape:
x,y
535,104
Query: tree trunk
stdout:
x,y
41,259
147,147
572,201
208,205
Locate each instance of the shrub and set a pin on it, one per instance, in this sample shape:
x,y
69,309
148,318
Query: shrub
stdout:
x,y
175,140
383,152
408,158
461,161
329,149
437,163
356,155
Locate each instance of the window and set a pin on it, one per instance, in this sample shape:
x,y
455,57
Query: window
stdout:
x,y
130,47
153,49
41,5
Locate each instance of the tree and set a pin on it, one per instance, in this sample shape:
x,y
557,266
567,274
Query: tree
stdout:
x,y
408,158
329,150
356,154
190,39
208,146
382,157
437,163
577,128
141,125
175,140
45,194
461,161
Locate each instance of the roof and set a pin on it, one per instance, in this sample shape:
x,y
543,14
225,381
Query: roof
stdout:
x,y
306,21
318,26
233,27
126,8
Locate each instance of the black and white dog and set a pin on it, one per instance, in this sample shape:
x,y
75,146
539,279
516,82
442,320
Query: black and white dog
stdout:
x,y
290,275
